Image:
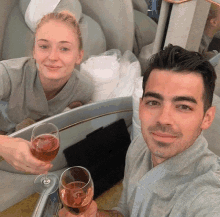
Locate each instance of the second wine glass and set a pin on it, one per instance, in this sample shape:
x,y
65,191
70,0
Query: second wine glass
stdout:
x,y
45,143
76,189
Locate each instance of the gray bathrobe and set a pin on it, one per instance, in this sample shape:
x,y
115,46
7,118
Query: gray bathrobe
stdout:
x,y
186,185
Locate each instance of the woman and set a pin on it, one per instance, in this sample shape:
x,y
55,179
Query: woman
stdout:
x,y
42,86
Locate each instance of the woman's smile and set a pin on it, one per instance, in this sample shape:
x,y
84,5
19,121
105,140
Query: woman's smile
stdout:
x,y
52,67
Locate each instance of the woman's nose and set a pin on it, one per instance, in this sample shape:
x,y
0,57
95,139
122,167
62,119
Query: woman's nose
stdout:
x,y
53,55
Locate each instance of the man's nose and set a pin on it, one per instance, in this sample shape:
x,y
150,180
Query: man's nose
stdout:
x,y
165,115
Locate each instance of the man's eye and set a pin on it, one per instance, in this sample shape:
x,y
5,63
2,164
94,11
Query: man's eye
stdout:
x,y
152,103
184,107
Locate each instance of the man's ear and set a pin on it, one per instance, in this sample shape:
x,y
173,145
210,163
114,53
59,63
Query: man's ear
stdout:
x,y
140,106
213,22
208,118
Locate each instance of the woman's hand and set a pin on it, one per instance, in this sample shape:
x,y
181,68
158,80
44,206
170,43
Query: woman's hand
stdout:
x,y
75,104
16,151
90,212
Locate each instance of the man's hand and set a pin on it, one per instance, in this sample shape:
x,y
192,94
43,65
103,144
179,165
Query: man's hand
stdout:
x,y
90,212
16,151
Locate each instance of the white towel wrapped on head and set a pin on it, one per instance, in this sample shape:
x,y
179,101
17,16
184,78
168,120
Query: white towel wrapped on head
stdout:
x,y
38,8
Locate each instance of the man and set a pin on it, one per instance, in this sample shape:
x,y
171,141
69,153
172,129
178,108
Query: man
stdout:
x,y
211,28
169,169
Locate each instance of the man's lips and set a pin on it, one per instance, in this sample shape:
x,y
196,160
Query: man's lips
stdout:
x,y
163,134
163,137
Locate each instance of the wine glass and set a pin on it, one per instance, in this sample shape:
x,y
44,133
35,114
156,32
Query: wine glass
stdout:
x,y
76,189
45,145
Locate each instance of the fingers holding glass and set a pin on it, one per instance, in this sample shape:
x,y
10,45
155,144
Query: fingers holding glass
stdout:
x,y
45,145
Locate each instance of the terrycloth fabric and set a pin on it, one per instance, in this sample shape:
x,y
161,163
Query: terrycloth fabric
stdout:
x,y
8,125
37,9
21,87
186,185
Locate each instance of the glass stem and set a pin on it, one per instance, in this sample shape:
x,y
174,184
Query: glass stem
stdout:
x,y
46,180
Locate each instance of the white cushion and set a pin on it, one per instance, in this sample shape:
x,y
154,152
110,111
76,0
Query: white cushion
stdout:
x,y
73,6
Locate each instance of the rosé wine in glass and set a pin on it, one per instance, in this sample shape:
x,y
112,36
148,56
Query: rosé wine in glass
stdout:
x,y
45,147
75,200
76,189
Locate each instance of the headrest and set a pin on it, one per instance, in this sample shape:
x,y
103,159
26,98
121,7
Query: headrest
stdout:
x,y
34,10
17,30
140,5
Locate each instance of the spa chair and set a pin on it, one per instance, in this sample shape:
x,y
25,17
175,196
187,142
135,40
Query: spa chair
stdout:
x,y
16,40
101,30
74,126
99,22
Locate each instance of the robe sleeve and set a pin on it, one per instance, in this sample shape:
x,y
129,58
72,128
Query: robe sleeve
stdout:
x,y
5,84
84,89
206,204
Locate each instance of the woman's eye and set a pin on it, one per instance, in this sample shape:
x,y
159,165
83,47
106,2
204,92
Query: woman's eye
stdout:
x,y
64,49
43,46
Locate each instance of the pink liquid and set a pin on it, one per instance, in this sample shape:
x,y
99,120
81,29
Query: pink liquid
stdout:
x,y
45,147
75,200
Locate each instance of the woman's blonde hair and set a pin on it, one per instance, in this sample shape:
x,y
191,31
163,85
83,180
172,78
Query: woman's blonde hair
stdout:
x,y
65,17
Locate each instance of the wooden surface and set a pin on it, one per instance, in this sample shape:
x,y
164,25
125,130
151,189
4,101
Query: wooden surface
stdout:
x,y
25,208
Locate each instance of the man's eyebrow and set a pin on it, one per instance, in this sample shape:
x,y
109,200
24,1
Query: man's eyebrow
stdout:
x,y
184,98
175,99
153,94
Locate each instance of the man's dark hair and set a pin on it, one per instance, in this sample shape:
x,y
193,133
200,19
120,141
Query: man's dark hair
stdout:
x,y
180,60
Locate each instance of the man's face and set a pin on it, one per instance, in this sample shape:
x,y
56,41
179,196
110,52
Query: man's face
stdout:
x,y
172,112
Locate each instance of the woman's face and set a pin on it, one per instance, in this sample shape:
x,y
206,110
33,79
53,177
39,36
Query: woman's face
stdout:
x,y
56,51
